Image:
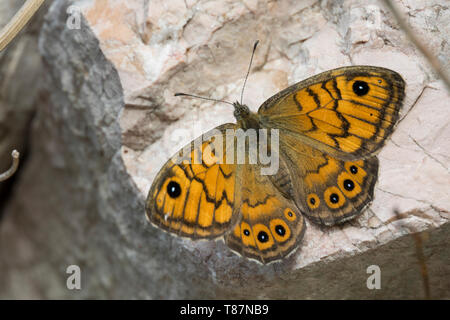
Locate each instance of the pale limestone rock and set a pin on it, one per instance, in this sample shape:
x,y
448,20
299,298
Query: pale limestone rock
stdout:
x,y
112,121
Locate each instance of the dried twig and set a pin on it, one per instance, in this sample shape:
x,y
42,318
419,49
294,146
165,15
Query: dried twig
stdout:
x,y
430,57
7,174
423,264
20,19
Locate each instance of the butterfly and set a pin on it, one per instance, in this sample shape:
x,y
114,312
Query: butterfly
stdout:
x,y
329,129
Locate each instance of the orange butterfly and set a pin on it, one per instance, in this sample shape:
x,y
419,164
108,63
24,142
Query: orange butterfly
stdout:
x,y
329,128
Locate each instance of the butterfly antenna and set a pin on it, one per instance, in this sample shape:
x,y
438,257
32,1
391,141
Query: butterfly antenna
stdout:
x,y
249,67
199,97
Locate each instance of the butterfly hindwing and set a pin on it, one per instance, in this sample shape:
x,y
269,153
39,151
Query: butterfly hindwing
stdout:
x,y
326,189
346,112
271,225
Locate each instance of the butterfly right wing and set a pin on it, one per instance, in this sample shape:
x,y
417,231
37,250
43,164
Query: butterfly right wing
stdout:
x,y
193,195
326,189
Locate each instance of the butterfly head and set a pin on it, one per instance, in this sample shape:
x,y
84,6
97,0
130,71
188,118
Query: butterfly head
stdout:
x,y
241,111
245,118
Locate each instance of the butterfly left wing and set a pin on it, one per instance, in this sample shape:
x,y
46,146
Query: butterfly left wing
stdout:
x,y
271,225
347,112
193,195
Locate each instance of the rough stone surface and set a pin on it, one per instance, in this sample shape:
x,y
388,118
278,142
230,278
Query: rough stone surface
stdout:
x,y
110,121
20,70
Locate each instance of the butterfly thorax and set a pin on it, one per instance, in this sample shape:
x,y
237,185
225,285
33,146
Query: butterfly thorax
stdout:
x,y
244,117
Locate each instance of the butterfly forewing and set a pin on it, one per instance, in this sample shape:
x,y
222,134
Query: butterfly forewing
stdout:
x,y
347,112
194,193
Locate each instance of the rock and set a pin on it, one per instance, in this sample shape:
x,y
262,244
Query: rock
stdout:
x,y
20,70
110,121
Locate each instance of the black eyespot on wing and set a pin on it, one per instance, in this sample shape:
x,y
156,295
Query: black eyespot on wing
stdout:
x,y
280,230
349,185
312,201
289,214
263,237
246,232
354,169
334,198
360,88
173,189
